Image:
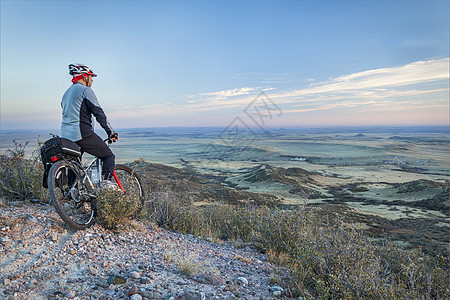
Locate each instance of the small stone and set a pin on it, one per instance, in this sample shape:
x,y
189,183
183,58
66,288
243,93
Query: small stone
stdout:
x,y
93,270
144,280
7,281
190,295
32,283
242,280
136,297
116,279
276,288
72,251
133,290
70,295
54,237
210,279
276,293
135,275
8,291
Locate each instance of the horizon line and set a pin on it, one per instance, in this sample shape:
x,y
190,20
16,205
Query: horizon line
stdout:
x,y
257,127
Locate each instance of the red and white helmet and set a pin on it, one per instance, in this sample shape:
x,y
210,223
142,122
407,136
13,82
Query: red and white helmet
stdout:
x,y
79,69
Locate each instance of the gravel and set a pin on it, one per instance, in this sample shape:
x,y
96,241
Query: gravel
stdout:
x,y
41,258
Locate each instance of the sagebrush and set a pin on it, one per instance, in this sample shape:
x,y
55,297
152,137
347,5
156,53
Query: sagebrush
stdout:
x,y
325,261
115,208
21,177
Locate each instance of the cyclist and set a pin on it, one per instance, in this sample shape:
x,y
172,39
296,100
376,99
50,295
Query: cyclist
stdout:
x,y
79,104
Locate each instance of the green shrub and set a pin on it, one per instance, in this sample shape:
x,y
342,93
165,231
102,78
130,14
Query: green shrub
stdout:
x,y
114,208
21,178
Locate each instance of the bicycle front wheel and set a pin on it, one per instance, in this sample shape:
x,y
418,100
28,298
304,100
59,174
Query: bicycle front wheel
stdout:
x,y
130,183
69,197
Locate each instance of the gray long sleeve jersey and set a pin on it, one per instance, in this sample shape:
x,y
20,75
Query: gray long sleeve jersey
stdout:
x,y
79,104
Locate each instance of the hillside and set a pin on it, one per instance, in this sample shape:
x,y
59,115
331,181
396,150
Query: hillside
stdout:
x,y
414,212
200,188
41,259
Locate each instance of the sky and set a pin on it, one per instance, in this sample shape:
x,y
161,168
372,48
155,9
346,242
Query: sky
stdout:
x,y
199,63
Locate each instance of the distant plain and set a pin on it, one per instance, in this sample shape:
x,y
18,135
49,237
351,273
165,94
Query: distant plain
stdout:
x,y
391,180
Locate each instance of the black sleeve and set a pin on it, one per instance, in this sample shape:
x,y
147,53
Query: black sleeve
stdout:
x,y
100,116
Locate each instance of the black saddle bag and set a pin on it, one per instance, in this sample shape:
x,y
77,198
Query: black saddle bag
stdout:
x,y
58,145
52,151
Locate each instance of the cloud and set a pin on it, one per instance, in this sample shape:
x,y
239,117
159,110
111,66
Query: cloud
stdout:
x,y
231,93
411,87
414,80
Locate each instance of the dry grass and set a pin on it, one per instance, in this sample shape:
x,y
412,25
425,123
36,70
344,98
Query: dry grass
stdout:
x,y
168,255
188,264
243,259
275,279
325,261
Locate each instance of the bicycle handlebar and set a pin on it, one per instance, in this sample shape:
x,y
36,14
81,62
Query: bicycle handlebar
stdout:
x,y
108,141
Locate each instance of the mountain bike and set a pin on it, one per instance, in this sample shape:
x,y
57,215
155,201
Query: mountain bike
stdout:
x,y
73,188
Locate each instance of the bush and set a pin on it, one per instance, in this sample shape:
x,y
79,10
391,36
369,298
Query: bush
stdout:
x,y
114,208
280,230
325,261
335,262
21,178
218,221
166,206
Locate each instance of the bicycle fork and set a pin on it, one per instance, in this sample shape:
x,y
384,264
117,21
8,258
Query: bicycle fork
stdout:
x,y
118,181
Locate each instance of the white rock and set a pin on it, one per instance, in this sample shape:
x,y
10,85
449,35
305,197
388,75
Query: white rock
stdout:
x,y
243,280
93,270
135,275
276,293
136,297
276,288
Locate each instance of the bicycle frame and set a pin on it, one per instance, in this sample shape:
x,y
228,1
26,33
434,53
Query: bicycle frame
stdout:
x,y
88,168
84,176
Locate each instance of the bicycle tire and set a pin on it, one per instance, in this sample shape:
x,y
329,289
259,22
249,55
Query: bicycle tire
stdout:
x,y
76,210
132,186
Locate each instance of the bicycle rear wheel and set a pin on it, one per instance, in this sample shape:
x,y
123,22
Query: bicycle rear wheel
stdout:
x,y
131,185
69,196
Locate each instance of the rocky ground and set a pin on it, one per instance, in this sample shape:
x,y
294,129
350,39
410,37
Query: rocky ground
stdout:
x,y
41,258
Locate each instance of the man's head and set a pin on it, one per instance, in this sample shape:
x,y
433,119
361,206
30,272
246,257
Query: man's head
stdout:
x,y
81,73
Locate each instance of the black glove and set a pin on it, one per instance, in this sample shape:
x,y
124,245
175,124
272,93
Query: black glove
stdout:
x,y
113,137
